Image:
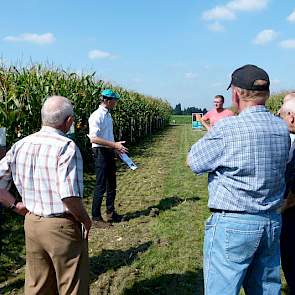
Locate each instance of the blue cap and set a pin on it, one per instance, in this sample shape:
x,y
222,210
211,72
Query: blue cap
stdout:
x,y
110,94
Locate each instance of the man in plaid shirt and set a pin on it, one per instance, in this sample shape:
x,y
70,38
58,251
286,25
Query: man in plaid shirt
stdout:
x,y
246,159
47,170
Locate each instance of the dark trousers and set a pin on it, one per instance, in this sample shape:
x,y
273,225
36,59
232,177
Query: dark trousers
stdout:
x,y
105,170
288,248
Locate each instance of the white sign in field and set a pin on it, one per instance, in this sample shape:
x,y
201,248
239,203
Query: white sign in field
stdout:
x,y
196,124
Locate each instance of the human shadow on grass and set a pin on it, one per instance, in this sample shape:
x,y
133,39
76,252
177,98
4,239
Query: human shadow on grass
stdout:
x,y
12,244
188,283
164,204
114,259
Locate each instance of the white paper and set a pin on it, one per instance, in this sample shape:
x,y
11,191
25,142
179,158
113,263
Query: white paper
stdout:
x,y
128,161
3,136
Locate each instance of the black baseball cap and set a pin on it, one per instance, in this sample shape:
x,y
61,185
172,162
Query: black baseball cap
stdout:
x,y
246,76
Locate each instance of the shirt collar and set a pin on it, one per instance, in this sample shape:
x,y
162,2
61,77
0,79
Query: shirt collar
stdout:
x,y
52,130
103,108
254,109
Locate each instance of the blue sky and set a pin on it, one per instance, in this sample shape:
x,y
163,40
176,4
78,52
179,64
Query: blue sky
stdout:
x,y
181,51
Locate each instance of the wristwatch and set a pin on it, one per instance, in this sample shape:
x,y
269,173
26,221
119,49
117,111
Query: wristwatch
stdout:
x,y
13,205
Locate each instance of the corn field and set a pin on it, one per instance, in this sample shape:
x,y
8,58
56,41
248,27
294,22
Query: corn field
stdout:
x,y
23,90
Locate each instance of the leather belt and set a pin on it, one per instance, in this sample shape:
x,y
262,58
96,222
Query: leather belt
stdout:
x,y
213,210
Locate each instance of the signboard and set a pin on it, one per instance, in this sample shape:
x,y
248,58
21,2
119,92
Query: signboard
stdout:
x,y
195,123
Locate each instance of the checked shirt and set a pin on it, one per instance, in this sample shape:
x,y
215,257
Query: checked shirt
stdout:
x,y
246,159
45,167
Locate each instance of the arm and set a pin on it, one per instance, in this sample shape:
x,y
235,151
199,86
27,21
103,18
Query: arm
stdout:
x,y
206,154
203,121
118,146
76,208
95,126
9,201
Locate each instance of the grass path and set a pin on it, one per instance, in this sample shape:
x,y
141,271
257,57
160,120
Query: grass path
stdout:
x,y
158,251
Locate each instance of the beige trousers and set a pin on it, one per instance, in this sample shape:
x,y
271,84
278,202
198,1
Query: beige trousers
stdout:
x,y
56,257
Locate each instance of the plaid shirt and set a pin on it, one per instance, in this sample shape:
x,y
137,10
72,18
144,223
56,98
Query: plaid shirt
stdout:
x,y
246,159
46,167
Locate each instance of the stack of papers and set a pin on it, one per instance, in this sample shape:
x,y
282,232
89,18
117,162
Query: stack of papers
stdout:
x,y
128,161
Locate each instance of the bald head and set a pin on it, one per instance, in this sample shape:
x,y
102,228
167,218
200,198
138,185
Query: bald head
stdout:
x,y
289,96
287,111
55,111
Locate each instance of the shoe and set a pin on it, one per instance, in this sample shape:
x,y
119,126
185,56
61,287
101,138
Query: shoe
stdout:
x,y
114,217
100,223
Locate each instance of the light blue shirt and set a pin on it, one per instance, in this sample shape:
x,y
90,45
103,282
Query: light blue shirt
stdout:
x,y
246,159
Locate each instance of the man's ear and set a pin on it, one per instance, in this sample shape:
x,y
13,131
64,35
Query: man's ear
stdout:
x,y
235,97
68,123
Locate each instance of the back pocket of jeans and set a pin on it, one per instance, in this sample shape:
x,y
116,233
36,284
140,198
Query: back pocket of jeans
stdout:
x,y
241,245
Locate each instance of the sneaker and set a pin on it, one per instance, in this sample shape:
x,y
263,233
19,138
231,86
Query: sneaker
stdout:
x,y
114,217
100,223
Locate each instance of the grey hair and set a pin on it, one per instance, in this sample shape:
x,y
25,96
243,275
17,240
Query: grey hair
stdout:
x,y
289,105
55,110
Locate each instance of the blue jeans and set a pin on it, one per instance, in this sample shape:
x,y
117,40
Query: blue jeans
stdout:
x,y
242,250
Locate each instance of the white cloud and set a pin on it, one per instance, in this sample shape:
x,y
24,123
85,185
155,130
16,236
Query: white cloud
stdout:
x,y
46,38
229,10
218,13
264,37
291,17
99,54
288,44
247,5
216,27
191,75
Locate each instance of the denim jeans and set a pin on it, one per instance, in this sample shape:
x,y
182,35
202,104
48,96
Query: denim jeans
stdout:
x,y
105,170
242,250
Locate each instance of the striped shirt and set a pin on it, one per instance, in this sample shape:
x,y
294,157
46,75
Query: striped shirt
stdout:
x,y
46,167
101,125
246,159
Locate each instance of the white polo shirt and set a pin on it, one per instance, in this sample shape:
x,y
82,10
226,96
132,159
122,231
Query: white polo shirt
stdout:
x,y
101,125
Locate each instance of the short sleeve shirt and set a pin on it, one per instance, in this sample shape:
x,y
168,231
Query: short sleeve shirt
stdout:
x,y
46,167
101,125
213,116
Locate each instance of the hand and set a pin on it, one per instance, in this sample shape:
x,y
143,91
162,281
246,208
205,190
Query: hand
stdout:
x,y
198,117
120,148
20,209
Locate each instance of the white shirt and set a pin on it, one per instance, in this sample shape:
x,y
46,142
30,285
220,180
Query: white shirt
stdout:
x,y
101,125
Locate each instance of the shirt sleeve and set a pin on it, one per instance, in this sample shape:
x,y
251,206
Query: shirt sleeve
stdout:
x,y
95,125
206,117
5,171
70,172
205,155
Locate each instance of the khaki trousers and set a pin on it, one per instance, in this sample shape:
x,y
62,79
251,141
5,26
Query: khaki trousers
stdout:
x,y
56,257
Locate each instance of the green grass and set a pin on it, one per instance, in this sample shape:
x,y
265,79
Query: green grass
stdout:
x,y
181,119
159,249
